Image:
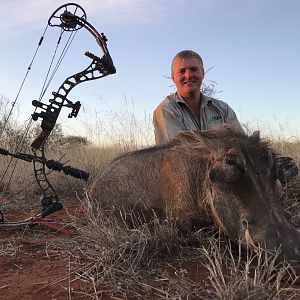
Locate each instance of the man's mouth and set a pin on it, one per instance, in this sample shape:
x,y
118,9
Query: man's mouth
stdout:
x,y
189,82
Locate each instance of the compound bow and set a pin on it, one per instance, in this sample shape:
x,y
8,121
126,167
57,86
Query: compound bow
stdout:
x,y
69,17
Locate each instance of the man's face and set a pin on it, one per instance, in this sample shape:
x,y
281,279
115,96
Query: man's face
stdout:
x,y
187,74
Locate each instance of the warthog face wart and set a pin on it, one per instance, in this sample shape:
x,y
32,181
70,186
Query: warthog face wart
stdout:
x,y
222,176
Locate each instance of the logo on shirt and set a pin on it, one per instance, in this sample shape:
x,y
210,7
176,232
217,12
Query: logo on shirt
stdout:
x,y
214,118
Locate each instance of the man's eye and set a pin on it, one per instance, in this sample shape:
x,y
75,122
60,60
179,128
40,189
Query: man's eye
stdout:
x,y
195,69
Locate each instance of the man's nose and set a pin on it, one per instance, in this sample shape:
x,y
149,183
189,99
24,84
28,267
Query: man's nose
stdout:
x,y
188,73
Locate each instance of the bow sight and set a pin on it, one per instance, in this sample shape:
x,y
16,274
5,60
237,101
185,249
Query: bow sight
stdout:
x,y
69,18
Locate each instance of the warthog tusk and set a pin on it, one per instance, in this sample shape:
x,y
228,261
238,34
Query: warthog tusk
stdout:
x,y
248,239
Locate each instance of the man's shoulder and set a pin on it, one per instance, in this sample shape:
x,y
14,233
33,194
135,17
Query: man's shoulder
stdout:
x,y
213,100
216,102
169,102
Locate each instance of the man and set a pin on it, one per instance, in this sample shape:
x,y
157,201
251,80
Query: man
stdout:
x,y
187,108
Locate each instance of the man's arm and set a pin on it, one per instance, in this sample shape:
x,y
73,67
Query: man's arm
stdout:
x,y
166,125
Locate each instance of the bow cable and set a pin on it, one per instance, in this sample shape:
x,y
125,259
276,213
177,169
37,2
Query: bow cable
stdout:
x,y
59,61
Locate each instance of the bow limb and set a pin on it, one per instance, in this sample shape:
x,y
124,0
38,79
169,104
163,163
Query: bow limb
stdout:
x,y
101,40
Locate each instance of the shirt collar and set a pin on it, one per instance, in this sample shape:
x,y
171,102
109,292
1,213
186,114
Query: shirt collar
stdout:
x,y
204,99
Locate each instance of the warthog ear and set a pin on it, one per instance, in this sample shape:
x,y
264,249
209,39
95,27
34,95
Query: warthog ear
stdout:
x,y
255,135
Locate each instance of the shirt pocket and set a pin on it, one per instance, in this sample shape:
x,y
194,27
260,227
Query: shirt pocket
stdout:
x,y
214,121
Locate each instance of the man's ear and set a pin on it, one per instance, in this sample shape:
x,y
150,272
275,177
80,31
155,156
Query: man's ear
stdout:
x,y
172,76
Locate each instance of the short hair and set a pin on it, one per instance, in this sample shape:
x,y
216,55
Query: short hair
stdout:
x,y
187,54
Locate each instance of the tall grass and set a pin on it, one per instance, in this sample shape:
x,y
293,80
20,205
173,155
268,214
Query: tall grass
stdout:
x,y
122,128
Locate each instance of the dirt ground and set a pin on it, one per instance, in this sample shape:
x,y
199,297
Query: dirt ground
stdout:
x,y
35,262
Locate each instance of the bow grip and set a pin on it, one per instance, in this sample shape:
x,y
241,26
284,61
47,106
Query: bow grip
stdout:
x,y
41,138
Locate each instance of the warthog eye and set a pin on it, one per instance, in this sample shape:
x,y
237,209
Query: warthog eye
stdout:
x,y
247,221
232,172
233,167
230,162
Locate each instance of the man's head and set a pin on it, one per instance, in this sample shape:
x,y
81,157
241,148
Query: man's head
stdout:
x,y
187,72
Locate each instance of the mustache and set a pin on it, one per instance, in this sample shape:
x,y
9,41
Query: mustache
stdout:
x,y
189,80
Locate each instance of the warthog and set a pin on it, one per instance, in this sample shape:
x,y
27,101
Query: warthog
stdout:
x,y
221,176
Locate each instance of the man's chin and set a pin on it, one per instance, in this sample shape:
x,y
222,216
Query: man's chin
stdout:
x,y
189,92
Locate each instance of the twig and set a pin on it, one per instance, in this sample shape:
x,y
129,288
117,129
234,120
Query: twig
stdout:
x,y
4,286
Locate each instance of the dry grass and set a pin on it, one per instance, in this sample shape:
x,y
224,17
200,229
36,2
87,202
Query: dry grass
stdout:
x,y
9,247
132,261
237,274
151,261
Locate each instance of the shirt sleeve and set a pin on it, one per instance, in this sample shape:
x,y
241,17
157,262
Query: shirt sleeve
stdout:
x,y
166,125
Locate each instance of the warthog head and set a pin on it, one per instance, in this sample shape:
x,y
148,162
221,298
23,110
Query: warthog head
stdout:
x,y
241,190
222,176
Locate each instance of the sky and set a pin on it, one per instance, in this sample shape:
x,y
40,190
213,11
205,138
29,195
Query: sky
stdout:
x,y
250,49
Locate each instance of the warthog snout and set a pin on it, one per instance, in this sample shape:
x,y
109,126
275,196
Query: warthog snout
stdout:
x,y
222,176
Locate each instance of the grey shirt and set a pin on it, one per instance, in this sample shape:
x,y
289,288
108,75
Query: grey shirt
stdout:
x,y
174,115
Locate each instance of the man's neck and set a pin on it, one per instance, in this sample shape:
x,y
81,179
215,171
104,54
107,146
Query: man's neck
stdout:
x,y
194,102
192,98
